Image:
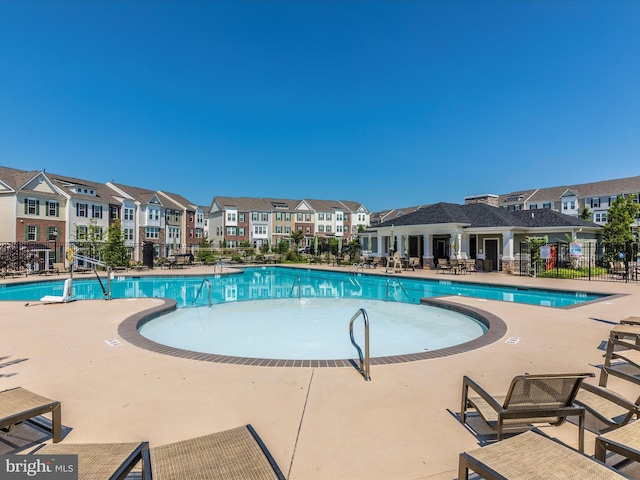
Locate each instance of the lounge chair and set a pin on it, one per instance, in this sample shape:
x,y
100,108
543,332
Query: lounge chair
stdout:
x,y
19,404
65,297
624,441
99,461
532,456
622,359
233,454
530,399
608,407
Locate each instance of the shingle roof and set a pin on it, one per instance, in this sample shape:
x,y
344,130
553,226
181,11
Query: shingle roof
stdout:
x,y
16,178
482,215
101,190
140,194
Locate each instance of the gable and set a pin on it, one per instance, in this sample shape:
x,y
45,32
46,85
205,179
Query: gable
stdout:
x,y
39,184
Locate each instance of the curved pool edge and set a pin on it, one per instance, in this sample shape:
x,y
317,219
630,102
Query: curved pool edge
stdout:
x,y
129,331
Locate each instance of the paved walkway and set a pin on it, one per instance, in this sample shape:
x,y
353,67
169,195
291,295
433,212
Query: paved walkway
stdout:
x,y
319,423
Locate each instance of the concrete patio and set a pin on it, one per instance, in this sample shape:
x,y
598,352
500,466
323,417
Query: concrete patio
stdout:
x,y
318,423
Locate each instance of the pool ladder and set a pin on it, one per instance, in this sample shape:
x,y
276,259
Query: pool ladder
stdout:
x,y
208,282
293,286
365,361
401,288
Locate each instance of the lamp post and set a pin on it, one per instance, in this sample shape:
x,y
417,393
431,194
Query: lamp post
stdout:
x,y
54,234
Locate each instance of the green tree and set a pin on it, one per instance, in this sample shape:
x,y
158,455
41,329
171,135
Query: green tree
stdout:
x,y
282,247
585,213
264,248
90,239
205,253
297,237
115,252
537,262
617,232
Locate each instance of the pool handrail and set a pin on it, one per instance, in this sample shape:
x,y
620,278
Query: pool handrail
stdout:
x,y
208,282
365,362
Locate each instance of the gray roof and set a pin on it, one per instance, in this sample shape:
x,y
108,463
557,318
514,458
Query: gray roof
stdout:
x,y
603,188
16,178
102,191
142,195
483,215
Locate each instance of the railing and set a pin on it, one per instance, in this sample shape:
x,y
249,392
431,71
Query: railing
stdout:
x,y
401,288
365,361
293,285
208,282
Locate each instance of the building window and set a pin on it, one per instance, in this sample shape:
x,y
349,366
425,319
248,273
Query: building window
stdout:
x,y
533,206
307,230
231,217
32,233
231,231
152,232
241,231
517,207
96,211
546,205
287,230
81,232
321,228
278,216
328,229
320,216
600,217
265,217
198,233
299,217
595,203
128,233
287,217
278,228
154,214
31,207
328,216
82,210
569,205
53,209
128,213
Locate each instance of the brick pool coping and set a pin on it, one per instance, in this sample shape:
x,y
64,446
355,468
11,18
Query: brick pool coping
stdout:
x,y
129,331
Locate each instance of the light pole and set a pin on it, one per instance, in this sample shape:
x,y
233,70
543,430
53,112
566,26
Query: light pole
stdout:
x,y
54,234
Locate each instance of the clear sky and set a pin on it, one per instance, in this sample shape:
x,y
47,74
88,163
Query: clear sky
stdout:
x,y
388,103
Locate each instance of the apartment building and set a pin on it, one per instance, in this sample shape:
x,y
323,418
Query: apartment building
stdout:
x,y
572,200
234,220
33,209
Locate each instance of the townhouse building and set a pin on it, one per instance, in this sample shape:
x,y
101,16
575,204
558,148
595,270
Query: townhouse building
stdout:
x,y
149,219
572,200
32,209
185,222
234,220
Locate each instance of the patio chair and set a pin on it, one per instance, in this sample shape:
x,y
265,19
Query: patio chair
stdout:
x,y
532,456
608,407
233,454
19,404
443,265
624,441
547,398
622,360
99,461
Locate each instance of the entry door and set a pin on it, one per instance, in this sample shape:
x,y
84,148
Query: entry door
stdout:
x,y
491,252
441,248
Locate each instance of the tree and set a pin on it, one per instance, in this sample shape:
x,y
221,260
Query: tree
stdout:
x,y
617,233
205,253
282,247
585,213
90,239
115,252
297,237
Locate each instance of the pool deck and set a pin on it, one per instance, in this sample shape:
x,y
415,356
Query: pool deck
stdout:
x,y
318,423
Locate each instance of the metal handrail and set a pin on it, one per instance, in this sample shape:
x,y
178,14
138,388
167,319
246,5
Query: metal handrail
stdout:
x,y
401,288
208,282
299,288
365,362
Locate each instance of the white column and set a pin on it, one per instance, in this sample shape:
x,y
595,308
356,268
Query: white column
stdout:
x,y
427,246
507,245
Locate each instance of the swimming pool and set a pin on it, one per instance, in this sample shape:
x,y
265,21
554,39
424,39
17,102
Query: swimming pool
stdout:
x,y
311,328
281,282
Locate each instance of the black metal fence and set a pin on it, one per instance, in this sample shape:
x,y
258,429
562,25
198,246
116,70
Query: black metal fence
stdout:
x,y
589,260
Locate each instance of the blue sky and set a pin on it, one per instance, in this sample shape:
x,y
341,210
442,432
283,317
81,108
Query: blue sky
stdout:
x,y
389,103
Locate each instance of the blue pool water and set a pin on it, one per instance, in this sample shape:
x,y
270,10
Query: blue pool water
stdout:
x,y
278,282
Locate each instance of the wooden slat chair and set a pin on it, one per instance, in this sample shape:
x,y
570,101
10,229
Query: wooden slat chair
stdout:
x,y
547,398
